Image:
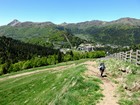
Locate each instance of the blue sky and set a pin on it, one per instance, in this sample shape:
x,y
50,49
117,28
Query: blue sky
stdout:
x,y
70,11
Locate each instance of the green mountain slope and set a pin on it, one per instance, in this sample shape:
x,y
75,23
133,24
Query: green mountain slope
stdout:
x,y
124,31
45,34
115,34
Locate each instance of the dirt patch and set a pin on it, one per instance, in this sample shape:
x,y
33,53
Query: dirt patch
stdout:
x,y
107,86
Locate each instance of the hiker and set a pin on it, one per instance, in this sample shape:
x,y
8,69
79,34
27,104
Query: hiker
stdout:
x,y
102,68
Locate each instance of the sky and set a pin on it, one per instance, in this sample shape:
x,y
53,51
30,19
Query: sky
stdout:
x,y
70,11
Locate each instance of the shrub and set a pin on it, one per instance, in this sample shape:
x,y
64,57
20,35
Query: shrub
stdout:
x,y
1,72
44,61
5,67
27,65
52,60
67,57
76,55
16,67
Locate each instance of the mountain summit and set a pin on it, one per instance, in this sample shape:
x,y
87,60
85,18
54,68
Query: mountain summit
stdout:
x,y
17,23
127,21
14,22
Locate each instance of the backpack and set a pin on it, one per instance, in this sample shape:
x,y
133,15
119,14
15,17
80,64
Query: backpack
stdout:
x,y
102,66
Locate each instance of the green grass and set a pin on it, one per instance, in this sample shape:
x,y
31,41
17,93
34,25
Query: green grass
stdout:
x,y
125,102
66,87
126,99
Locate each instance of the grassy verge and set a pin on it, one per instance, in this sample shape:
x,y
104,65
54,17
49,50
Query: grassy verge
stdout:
x,y
46,67
66,87
127,76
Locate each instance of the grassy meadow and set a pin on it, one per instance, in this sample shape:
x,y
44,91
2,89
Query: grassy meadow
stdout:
x,y
67,86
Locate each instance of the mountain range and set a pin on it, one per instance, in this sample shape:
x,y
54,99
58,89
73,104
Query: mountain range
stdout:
x,y
46,34
124,31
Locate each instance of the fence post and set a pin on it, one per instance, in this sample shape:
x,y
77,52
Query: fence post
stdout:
x,y
125,56
137,56
131,55
122,55
119,55
116,55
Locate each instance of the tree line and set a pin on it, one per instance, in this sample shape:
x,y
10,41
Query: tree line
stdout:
x,y
49,60
16,55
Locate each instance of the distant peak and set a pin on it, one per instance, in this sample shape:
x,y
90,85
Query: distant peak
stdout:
x,y
127,21
63,24
14,22
127,18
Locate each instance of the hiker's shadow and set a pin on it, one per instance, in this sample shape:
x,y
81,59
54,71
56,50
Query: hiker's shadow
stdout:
x,y
104,76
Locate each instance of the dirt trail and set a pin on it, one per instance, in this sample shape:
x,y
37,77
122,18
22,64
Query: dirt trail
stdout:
x,y
107,86
59,68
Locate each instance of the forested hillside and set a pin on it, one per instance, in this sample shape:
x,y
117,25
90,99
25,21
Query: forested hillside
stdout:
x,y
14,50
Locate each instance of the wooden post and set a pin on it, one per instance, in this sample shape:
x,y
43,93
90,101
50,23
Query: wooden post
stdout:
x,y
125,56
122,55
137,57
119,55
116,55
131,55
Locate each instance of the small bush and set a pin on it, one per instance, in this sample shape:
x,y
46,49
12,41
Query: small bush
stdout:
x,y
67,57
52,60
27,65
5,67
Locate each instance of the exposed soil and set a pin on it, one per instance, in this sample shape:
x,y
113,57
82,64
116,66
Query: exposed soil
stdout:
x,y
107,86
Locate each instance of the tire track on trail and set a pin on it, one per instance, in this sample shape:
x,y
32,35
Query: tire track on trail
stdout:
x,y
107,86
55,69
